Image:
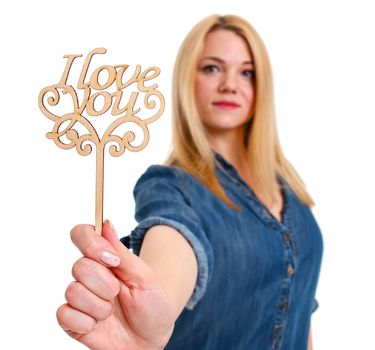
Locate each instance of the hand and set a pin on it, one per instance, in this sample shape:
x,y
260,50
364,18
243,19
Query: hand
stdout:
x,y
116,301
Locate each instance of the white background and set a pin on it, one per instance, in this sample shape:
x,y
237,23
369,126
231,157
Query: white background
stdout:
x,y
323,55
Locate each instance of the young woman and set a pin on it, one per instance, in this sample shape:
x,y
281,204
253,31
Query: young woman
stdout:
x,y
227,251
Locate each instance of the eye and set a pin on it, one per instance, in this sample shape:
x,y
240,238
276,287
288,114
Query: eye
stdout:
x,y
210,68
249,73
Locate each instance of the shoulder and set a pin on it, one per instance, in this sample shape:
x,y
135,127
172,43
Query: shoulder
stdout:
x,y
162,180
172,181
161,173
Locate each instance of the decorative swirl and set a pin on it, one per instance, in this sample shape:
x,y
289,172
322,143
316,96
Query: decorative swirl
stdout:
x,y
124,142
77,140
55,99
151,104
52,101
72,135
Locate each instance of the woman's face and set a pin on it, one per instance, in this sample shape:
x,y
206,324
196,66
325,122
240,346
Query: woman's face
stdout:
x,y
225,82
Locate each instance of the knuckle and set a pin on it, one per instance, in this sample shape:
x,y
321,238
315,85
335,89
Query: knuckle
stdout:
x,y
61,315
109,290
87,325
82,267
73,292
105,310
81,233
71,323
117,287
75,231
114,289
92,247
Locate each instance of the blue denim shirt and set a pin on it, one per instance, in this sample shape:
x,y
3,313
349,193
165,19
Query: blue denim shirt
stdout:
x,y
257,276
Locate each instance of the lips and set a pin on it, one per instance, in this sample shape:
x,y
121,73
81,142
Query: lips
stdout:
x,y
226,104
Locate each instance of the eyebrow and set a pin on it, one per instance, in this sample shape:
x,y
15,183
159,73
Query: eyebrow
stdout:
x,y
222,61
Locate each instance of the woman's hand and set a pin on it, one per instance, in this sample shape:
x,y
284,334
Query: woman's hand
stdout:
x,y
116,300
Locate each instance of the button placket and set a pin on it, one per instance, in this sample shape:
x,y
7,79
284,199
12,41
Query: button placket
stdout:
x,y
283,229
287,281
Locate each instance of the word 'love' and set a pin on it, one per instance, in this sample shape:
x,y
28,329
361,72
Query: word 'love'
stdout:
x,y
114,75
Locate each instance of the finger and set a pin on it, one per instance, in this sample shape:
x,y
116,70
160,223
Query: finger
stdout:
x,y
132,269
94,246
74,321
82,299
108,250
96,278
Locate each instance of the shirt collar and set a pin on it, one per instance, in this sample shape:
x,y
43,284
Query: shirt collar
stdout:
x,y
228,167
222,163
231,171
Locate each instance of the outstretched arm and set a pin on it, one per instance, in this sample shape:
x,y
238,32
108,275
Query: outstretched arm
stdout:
x,y
174,262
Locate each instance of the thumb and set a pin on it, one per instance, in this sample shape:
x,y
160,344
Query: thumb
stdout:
x,y
131,267
110,234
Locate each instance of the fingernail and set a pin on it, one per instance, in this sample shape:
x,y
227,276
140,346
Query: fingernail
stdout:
x,y
110,259
112,228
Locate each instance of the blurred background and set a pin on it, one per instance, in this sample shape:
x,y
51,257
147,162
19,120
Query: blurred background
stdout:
x,y
322,54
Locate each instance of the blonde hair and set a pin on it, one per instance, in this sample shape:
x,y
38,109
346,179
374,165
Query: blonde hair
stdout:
x,y
190,149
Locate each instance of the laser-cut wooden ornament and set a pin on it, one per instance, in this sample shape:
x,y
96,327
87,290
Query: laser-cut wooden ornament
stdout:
x,y
64,124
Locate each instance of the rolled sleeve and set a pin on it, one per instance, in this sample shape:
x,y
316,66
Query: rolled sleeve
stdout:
x,y
315,305
160,200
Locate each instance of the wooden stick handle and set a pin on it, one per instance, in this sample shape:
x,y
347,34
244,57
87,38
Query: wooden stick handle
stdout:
x,y
99,189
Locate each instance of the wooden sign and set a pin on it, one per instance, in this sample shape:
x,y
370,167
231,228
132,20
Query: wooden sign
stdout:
x,y
74,129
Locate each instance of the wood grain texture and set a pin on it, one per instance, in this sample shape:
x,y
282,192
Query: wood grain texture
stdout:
x,y
67,129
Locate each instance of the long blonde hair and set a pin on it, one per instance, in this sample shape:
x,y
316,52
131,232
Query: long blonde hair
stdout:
x,y
190,149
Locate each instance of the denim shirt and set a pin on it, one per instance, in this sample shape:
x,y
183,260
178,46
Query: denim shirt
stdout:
x,y
257,276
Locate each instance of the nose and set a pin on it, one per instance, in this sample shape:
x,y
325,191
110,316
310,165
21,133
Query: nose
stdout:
x,y
228,83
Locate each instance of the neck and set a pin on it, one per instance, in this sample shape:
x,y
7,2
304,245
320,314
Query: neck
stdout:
x,y
231,146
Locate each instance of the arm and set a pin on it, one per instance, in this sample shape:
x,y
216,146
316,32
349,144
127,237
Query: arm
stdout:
x,y
310,347
174,262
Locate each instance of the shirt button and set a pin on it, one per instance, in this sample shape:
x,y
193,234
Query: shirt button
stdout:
x,y
287,237
285,305
290,270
